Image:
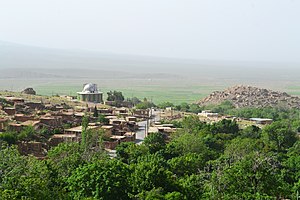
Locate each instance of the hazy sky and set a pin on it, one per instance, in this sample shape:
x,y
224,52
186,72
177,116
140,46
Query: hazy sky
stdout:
x,y
250,30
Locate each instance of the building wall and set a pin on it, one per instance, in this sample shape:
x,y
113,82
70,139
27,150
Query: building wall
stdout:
x,y
92,97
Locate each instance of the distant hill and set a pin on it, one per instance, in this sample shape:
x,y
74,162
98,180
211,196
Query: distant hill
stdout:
x,y
248,96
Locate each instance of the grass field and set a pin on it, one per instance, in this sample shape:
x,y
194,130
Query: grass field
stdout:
x,y
157,90
175,94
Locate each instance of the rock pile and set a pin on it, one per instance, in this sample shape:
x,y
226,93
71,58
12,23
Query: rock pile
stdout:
x,y
248,96
29,91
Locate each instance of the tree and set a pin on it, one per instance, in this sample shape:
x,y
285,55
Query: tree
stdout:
x,y
150,172
129,152
251,132
102,119
123,151
188,164
165,105
279,136
103,179
184,107
63,160
193,186
192,124
194,108
95,112
115,96
27,133
188,143
84,125
239,148
23,177
144,105
155,142
291,171
225,126
256,176
9,136
134,100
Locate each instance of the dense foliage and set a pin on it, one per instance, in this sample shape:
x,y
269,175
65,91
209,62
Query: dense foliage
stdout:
x,y
116,96
199,161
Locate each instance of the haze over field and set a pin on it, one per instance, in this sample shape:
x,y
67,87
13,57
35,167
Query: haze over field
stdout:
x,y
52,71
182,50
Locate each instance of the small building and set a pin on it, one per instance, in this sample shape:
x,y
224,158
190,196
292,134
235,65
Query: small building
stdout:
x,y
34,148
90,93
208,113
78,130
261,121
23,118
130,136
35,105
56,139
53,121
108,129
114,141
10,110
141,113
14,99
131,119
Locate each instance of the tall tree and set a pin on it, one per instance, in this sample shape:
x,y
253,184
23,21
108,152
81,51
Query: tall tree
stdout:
x,y
95,112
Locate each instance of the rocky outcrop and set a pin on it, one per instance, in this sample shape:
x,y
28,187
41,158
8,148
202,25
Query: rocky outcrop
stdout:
x,y
29,91
248,96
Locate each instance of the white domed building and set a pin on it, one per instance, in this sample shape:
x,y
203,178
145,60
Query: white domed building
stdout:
x,y
90,93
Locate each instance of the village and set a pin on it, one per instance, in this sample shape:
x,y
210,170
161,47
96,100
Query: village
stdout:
x,y
61,120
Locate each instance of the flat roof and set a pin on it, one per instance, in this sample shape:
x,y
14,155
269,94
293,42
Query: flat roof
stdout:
x,y
129,133
260,119
117,137
79,128
89,93
107,127
153,130
9,108
30,123
64,136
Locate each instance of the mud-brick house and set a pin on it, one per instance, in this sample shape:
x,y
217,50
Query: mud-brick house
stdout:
x,y
78,130
56,139
141,113
14,100
23,118
67,116
117,123
114,141
52,121
9,111
108,129
105,111
36,149
131,119
35,105
18,127
130,136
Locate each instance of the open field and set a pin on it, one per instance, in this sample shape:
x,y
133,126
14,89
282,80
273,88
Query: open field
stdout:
x,y
52,71
157,90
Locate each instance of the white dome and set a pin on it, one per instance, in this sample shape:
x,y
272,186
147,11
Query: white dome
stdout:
x,y
90,88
